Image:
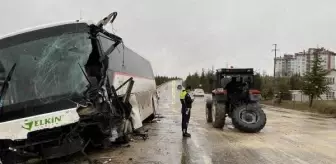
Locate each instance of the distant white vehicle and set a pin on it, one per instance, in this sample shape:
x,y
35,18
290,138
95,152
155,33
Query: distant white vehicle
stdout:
x,y
198,92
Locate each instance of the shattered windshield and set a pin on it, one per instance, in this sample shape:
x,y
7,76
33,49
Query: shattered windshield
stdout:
x,y
47,68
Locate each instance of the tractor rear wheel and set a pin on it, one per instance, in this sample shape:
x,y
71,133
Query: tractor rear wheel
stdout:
x,y
208,114
249,118
208,111
218,115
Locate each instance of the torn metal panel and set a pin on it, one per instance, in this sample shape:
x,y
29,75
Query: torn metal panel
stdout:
x,y
135,115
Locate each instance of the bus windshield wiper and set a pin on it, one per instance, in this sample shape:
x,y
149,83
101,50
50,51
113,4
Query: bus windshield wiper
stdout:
x,y
5,86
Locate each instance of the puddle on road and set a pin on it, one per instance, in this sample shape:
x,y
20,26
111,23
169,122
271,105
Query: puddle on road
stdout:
x,y
159,116
163,105
322,123
286,116
280,111
318,118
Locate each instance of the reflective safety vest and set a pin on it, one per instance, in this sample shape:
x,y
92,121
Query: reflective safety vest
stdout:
x,y
185,99
183,94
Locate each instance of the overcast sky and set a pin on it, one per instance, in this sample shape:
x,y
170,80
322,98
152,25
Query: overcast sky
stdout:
x,y
182,36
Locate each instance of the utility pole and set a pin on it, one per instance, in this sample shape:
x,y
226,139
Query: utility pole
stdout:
x,y
275,55
80,14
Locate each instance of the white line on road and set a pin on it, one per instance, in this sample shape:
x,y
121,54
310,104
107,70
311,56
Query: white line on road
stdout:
x,y
206,158
173,92
195,142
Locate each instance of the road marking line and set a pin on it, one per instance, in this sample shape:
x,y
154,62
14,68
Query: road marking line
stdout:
x,y
194,123
206,158
195,143
173,92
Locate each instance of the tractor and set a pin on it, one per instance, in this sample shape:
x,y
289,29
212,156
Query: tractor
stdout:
x,y
242,104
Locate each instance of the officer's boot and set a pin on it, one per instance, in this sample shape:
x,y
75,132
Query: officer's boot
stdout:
x,y
185,133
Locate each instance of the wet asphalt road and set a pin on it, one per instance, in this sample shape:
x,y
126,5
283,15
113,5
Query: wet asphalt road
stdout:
x,y
289,137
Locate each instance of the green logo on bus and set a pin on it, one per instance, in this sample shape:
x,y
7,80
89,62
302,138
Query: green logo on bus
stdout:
x,y
29,124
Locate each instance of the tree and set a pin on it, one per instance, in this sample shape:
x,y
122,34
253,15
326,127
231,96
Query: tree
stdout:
x,y
267,87
202,78
283,86
314,81
257,81
162,79
296,82
187,80
195,80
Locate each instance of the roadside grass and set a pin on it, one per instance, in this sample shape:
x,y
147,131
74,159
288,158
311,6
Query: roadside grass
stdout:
x,y
319,106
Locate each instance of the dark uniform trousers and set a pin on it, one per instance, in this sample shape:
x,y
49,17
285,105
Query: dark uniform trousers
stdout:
x,y
185,118
186,108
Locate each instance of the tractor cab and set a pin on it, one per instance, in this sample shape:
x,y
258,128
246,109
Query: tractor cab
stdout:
x,y
244,81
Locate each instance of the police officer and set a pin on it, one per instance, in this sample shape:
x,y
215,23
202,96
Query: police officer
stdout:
x,y
186,102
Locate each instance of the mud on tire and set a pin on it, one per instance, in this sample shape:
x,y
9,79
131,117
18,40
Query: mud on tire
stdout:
x,y
252,110
218,115
208,112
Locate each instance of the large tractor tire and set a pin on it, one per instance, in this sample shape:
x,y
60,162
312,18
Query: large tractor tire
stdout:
x,y
218,115
208,111
249,118
208,114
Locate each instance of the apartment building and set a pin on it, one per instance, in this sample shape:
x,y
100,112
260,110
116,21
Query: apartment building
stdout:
x,y
285,66
301,62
